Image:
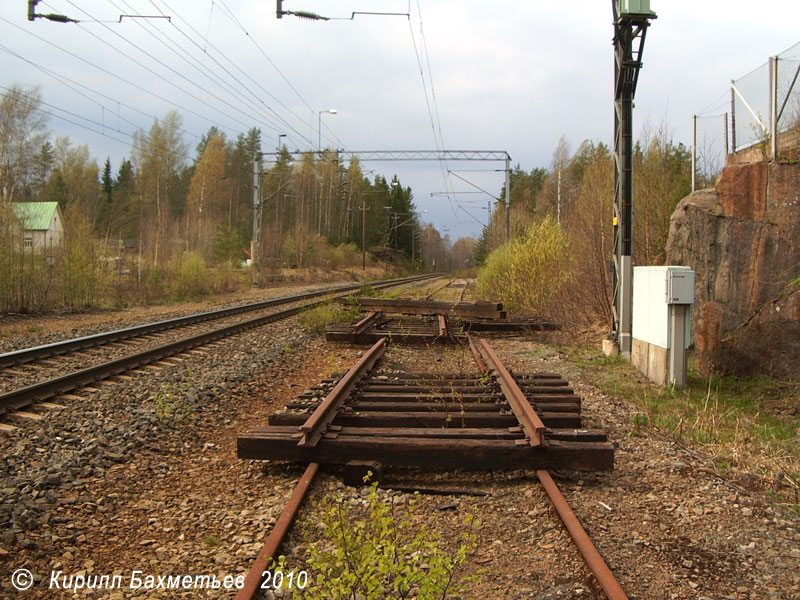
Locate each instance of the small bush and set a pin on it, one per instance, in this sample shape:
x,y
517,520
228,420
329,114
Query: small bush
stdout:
x,y
189,277
317,320
533,272
382,554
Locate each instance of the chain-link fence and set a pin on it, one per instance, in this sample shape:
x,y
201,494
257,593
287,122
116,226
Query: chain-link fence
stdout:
x,y
709,148
763,113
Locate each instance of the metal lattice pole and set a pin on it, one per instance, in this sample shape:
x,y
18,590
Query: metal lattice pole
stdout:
x,y
629,36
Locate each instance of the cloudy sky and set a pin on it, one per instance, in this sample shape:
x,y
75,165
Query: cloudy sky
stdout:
x,y
509,75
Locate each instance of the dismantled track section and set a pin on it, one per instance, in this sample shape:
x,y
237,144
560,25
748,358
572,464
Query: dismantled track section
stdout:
x,y
431,420
431,321
59,386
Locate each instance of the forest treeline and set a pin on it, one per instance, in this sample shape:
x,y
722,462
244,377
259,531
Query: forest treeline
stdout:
x,y
558,263
172,221
175,221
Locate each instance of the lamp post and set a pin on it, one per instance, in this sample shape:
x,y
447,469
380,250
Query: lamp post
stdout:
x,y
330,111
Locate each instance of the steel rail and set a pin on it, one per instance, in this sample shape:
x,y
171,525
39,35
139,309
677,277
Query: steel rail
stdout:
x,y
314,427
605,578
602,573
464,291
272,544
530,421
438,289
39,352
22,397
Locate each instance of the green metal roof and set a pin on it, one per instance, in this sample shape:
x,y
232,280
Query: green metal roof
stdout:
x,y
35,215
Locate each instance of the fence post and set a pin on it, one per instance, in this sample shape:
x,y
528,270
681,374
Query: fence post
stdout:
x,y
725,129
773,107
733,120
694,152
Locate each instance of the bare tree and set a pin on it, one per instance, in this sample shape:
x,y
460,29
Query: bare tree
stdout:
x,y
23,131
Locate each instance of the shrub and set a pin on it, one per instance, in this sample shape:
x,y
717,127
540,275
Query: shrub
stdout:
x,y
82,271
189,277
532,272
382,554
317,320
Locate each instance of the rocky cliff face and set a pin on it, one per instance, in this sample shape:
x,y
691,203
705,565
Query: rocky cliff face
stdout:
x,y
743,241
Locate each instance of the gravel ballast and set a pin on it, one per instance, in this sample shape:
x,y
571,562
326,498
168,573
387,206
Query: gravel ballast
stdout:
x,y
143,475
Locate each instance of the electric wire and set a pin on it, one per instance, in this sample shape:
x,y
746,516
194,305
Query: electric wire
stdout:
x,y
73,85
116,76
197,98
199,66
284,123
229,13
232,17
11,90
430,112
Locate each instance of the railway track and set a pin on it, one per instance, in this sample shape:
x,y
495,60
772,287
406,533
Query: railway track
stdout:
x,y
61,356
487,419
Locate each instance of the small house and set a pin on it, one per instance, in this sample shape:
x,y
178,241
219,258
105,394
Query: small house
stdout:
x,y
42,224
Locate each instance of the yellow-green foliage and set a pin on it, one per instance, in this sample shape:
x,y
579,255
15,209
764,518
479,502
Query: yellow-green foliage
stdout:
x,y
316,320
383,554
82,272
343,255
189,277
532,272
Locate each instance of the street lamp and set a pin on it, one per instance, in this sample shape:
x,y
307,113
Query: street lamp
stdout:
x,y
331,111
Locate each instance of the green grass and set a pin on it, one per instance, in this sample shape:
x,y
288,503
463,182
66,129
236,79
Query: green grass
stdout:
x,y
212,540
317,320
744,423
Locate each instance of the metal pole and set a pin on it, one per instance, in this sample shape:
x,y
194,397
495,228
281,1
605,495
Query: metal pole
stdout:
x,y
773,107
725,129
677,344
629,36
364,236
508,198
694,152
255,243
733,119
319,131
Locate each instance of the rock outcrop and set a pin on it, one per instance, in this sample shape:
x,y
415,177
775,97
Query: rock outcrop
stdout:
x,y
743,241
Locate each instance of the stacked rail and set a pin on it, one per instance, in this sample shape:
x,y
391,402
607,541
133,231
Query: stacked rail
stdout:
x,y
427,321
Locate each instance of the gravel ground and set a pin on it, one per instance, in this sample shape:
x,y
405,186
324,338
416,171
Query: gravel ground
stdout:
x,y
24,331
142,475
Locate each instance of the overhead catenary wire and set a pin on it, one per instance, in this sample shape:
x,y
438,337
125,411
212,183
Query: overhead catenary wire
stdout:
x,y
199,98
230,14
202,68
283,121
73,85
117,76
57,116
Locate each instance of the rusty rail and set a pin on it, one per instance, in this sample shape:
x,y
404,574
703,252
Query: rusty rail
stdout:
x,y
364,323
605,578
477,355
442,326
530,421
464,291
314,427
272,544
